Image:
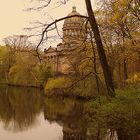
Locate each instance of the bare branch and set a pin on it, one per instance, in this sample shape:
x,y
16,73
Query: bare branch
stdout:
x,y
54,23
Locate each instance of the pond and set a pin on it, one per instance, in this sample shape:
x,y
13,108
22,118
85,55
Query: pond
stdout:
x,y
26,114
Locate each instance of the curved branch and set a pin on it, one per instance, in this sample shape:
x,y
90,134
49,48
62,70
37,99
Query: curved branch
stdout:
x,y
49,25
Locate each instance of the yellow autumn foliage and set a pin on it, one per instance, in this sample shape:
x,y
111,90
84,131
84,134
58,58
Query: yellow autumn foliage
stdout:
x,y
134,79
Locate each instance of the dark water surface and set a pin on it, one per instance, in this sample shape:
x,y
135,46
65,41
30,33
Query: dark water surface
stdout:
x,y
26,114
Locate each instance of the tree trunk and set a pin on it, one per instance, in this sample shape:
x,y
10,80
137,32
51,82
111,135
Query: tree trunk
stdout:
x,y
95,67
138,70
125,73
100,49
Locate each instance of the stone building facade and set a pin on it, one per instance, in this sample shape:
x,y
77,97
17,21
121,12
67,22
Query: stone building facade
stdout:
x,y
73,36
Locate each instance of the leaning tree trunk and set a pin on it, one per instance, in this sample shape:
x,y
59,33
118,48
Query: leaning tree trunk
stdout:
x,y
100,49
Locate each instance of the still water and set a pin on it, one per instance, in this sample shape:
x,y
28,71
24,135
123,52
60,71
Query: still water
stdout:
x,y
26,114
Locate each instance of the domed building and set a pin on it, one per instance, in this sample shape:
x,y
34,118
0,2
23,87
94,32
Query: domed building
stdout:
x,y
73,28
73,36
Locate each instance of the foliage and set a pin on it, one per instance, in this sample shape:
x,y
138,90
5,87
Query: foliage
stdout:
x,y
121,113
74,86
58,84
23,71
134,79
22,67
6,61
119,25
45,72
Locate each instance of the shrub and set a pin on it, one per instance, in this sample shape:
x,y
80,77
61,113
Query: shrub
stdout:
x,y
121,113
57,84
133,79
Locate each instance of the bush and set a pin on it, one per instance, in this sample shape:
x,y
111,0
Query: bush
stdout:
x,y
121,113
58,84
133,79
45,72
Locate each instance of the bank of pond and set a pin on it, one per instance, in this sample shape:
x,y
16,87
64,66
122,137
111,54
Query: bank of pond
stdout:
x,y
88,119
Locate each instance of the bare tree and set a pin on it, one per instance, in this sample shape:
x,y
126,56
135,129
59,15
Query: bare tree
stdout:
x,y
17,42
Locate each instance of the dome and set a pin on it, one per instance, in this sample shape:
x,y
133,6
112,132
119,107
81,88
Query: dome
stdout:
x,y
73,27
73,21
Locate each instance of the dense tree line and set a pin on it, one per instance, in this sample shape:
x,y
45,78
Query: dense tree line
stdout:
x,y
19,63
110,55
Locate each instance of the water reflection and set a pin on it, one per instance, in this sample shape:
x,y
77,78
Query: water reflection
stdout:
x,y
70,114
67,119
19,107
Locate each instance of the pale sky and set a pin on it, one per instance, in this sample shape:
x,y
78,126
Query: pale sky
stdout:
x,y
14,17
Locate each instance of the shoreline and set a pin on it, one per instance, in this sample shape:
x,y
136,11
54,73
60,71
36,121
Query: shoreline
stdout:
x,y
19,85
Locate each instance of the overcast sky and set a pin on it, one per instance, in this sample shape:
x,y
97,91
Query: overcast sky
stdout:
x,y
14,17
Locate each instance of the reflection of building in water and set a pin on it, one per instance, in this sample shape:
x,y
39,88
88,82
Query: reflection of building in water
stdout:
x,y
73,36
71,132
70,118
75,127
77,123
